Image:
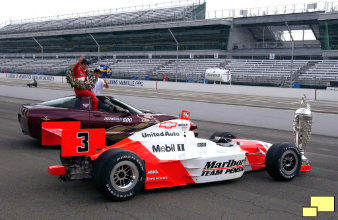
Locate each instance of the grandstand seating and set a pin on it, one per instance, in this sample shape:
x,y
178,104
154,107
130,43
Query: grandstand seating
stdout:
x,y
131,67
111,19
320,73
264,71
188,68
310,72
127,68
13,65
30,66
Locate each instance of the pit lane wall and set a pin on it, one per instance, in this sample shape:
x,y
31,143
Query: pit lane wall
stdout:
x,y
329,95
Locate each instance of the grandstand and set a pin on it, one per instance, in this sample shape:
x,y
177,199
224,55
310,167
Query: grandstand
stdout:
x,y
111,19
36,66
180,40
135,67
320,72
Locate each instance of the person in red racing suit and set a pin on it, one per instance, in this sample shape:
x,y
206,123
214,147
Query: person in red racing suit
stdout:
x,y
79,71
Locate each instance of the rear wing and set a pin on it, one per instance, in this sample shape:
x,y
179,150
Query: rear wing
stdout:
x,y
51,132
74,141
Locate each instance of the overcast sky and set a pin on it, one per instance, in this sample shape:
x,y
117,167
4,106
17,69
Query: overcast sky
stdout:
x,y
24,9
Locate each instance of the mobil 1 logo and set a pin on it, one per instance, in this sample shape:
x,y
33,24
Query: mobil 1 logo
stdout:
x,y
167,148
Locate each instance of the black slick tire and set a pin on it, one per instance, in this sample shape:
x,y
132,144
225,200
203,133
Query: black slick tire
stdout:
x,y
283,161
119,174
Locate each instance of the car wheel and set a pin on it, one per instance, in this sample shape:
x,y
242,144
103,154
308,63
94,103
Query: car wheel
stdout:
x,y
222,135
283,161
119,174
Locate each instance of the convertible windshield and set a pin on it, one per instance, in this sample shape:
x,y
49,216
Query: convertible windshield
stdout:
x,y
65,102
109,104
129,107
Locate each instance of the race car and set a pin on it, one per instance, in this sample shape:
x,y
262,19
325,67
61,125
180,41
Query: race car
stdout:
x,y
164,155
118,118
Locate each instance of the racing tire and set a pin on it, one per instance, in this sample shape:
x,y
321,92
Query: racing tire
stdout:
x,y
223,135
283,161
119,174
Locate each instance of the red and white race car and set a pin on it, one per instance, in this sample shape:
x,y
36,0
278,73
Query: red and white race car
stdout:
x,y
164,155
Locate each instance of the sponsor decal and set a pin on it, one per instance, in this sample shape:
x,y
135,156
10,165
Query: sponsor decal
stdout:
x,y
45,118
85,105
213,168
26,76
134,83
160,134
168,125
185,115
157,178
214,74
201,144
152,172
168,148
182,125
126,120
111,119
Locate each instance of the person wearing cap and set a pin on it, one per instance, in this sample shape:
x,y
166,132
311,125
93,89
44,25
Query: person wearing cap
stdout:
x,y
100,83
79,71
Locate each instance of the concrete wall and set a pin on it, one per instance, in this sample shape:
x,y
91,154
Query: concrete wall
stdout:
x,y
329,95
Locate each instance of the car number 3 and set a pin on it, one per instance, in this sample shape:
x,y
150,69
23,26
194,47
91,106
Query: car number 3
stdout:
x,y
84,140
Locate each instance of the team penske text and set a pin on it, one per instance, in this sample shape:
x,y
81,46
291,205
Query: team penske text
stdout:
x,y
213,168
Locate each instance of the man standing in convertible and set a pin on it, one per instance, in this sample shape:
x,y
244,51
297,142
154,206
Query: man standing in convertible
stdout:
x,y
79,71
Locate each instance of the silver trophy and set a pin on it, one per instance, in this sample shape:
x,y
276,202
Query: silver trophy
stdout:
x,y
302,125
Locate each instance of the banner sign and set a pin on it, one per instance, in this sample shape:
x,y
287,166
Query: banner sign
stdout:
x,y
122,82
26,76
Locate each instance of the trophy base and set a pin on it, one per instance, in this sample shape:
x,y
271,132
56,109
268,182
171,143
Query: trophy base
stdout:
x,y
305,164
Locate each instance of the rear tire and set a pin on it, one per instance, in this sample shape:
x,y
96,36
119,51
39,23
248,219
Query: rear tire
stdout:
x,y
119,174
283,161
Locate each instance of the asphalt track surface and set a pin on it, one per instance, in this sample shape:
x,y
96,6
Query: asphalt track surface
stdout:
x,y
27,191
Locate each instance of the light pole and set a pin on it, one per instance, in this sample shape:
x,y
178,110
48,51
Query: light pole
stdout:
x,y
39,46
176,50
292,49
98,48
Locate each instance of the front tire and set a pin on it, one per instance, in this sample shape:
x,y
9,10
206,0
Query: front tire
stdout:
x,y
283,161
119,174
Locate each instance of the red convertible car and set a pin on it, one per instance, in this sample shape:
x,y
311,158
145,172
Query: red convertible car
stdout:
x,y
119,119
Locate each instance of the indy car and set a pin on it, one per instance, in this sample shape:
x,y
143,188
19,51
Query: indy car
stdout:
x,y
118,118
167,155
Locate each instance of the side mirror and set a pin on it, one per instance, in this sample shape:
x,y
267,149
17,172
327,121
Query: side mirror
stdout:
x,y
126,113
